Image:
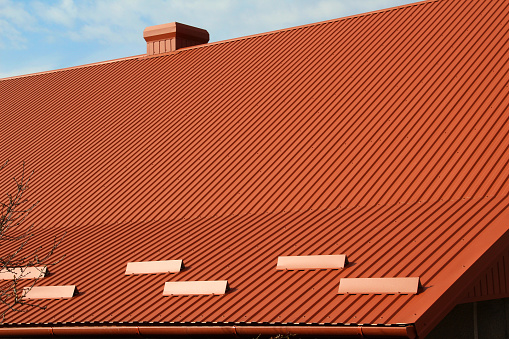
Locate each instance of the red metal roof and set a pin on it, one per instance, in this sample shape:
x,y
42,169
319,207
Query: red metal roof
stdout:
x,y
381,136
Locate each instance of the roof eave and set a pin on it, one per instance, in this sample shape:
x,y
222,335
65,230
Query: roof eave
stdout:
x,y
403,331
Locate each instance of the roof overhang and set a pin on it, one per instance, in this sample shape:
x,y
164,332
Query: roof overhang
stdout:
x,y
359,331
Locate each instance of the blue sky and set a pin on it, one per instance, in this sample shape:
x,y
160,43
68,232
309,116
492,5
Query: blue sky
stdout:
x,y
41,35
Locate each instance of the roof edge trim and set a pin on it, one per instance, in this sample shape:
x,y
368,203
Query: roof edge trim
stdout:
x,y
466,269
405,331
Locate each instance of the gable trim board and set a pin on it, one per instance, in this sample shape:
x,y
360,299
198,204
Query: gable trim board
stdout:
x,y
466,268
493,283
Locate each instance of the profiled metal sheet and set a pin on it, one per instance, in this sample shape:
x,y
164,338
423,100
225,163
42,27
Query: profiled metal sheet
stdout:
x,y
237,134
453,234
385,137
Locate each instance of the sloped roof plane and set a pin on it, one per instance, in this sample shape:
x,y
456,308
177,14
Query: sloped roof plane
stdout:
x,y
383,136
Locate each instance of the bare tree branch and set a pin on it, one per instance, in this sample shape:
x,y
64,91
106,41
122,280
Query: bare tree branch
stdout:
x,y
16,259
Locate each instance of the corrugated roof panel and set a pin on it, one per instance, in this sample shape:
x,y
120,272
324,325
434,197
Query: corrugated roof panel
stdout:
x,y
326,120
339,147
260,293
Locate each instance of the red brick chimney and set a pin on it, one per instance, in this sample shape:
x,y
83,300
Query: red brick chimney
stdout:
x,y
170,37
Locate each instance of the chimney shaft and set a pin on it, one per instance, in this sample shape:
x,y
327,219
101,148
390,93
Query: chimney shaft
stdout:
x,y
170,37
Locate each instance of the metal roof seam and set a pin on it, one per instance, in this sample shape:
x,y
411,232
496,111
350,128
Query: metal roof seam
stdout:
x,y
241,215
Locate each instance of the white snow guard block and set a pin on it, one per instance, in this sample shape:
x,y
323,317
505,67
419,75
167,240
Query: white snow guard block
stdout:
x,y
410,285
195,287
51,292
24,273
154,267
312,262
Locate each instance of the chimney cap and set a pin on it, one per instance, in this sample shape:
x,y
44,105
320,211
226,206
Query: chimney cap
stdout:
x,y
175,29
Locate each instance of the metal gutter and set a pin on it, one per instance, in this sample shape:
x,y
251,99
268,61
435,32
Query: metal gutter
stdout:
x,y
406,331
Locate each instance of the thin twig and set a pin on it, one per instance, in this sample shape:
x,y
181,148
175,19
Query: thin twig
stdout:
x,y
13,213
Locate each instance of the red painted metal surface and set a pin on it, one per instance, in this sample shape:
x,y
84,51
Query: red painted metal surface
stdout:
x,y
436,241
385,138
238,134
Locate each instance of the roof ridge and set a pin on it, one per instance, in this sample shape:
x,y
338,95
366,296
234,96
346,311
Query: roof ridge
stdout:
x,y
143,56
353,16
287,29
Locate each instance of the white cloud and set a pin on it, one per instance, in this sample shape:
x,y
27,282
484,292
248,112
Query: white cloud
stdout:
x,y
372,5
267,14
10,37
123,21
63,13
106,21
14,19
15,13
99,32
